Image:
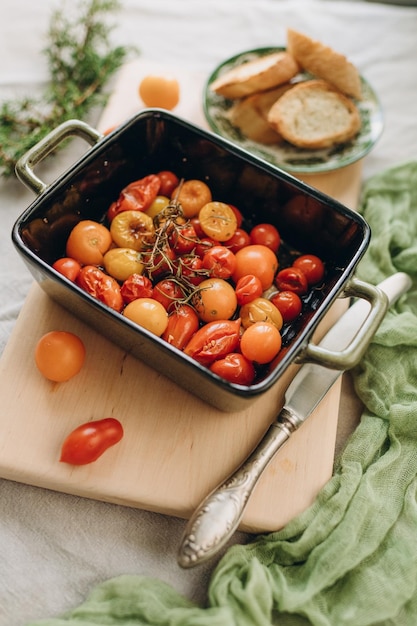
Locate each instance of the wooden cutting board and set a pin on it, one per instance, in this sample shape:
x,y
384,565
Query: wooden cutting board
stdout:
x,y
175,448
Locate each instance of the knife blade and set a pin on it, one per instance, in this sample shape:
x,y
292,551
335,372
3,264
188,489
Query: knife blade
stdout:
x,y
219,514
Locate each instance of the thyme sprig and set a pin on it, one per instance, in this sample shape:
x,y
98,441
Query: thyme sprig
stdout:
x,y
80,61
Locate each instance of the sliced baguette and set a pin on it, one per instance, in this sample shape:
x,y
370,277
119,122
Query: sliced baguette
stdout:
x,y
260,74
250,115
325,63
314,115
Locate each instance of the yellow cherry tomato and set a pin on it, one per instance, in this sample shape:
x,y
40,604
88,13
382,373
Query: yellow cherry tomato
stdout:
x,y
214,299
218,220
122,262
132,229
158,205
260,310
149,314
160,91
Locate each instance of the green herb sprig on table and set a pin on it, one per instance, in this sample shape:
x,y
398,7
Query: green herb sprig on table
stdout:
x,y
80,62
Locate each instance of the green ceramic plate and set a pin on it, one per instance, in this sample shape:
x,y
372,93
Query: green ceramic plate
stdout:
x,y
286,156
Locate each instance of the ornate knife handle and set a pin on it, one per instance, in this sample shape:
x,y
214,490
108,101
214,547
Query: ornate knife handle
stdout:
x,y
219,514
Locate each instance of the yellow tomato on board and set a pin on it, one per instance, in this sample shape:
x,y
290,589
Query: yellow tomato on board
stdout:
x,y
159,91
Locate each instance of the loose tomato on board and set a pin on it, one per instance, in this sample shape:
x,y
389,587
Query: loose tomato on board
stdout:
x,y
100,285
220,262
257,260
288,303
214,340
68,267
292,279
311,266
59,355
88,241
89,441
235,368
183,322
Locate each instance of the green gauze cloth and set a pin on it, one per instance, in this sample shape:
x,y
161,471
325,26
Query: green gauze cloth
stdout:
x,y
351,558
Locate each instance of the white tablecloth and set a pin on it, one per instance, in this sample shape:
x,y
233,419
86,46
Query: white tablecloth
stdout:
x,y
54,547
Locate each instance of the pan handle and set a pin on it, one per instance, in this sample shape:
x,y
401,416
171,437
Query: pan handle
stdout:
x,y
345,358
24,166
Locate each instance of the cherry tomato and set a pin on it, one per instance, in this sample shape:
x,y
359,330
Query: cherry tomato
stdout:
x,y
235,368
192,195
214,299
266,235
88,241
204,244
197,227
138,195
161,263
239,216
159,204
261,342
67,267
260,310
311,266
132,229
101,286
149,314
122,262
159,91
183,322
218,220
292,279
238,240
220,261
169,181
183,240
213,341
191,269
168,292
59,355
257,260
247,289
136,286
288,303
89,441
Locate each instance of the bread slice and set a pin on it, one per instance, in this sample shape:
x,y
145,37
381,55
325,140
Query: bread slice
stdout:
x,y
260,74
314,115
325,63
250,115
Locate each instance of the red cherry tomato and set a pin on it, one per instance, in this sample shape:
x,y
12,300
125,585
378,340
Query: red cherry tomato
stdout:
x,y
214,341
183,240
238,240
258,260
191,269
89,441
160,264
239,216
311,266
183,322
195,222
59,355
235,368
266,235
288,304
136,286
204,244
169,181
100,285
220,261
68,267
168,292
292,279
137,196
247,289
261,342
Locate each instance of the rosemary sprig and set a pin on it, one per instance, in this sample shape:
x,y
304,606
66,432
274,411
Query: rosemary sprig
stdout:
x,y
80,62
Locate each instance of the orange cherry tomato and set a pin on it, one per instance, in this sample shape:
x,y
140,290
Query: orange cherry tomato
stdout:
x,y
88,241
149,314
59,355
89,441
311,266
101,286
159,91
260,310
183,322
288,303
67,267
258,260
213,341
235,368
218,220
192,195
261,342
214,299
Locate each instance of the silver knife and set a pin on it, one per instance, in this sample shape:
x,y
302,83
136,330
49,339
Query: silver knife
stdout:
x,y
219,514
